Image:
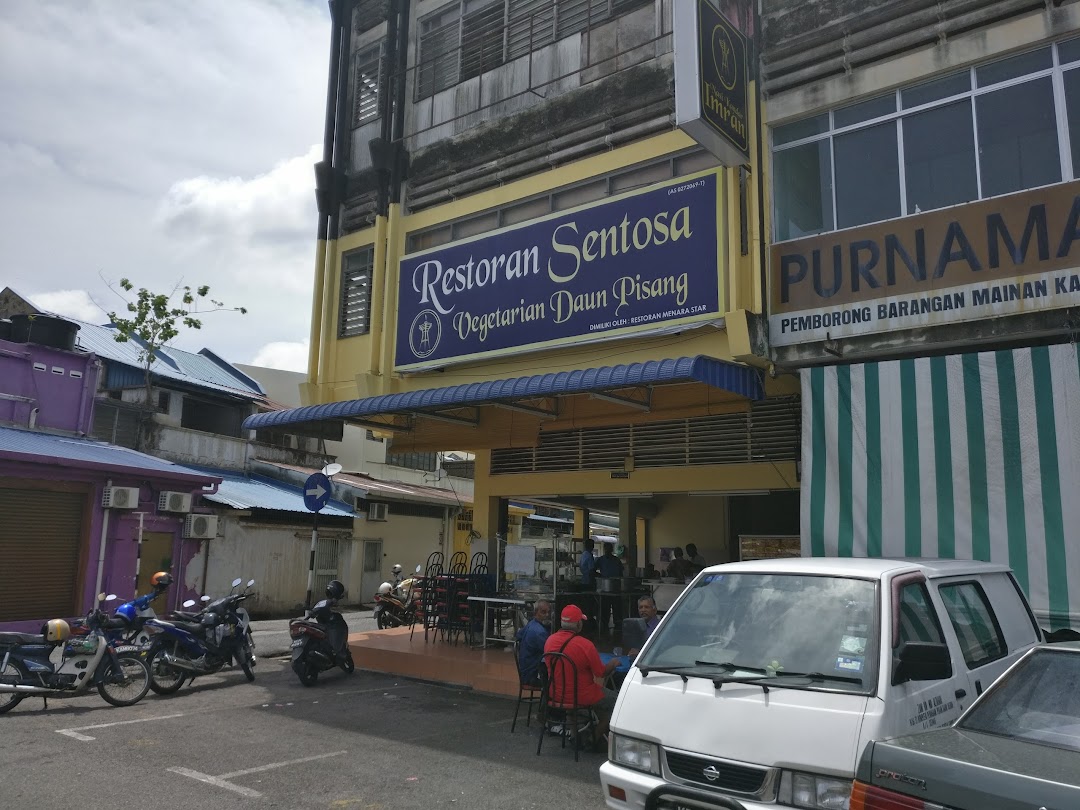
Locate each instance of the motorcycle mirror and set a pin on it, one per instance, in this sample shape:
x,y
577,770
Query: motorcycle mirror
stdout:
x,y
204,598
112,597
189,603
416,570
236,582
250,582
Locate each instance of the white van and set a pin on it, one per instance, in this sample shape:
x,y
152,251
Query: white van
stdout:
x,y
764,682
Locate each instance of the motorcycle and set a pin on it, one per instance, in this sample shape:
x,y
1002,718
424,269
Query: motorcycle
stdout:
x,y
320,640
397,605
134,615
118,671
202,643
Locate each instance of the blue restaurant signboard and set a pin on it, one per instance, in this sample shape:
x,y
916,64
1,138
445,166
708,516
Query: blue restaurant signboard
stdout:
x,y
642,262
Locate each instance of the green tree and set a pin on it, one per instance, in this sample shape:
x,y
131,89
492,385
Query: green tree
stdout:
x,y
156,318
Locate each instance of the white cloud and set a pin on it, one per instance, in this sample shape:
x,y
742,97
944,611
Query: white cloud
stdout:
x,y
73,303
164,142
284,356
279,203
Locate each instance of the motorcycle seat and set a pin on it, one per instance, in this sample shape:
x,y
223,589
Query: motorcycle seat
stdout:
x,y
7,639
192,627
185,615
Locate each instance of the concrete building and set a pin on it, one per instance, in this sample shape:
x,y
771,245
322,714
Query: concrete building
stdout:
x,y
521,256
924,161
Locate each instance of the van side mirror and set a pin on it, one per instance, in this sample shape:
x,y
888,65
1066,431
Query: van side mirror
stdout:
x,y
921,661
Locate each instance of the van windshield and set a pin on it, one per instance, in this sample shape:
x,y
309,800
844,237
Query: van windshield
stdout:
x,y
814,632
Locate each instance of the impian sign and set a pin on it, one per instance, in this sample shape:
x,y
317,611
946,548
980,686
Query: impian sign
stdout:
x,y
1005,256
642,262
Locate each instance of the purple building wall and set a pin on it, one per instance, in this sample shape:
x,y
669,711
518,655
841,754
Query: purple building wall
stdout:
x,y
121,535
53,390
47,388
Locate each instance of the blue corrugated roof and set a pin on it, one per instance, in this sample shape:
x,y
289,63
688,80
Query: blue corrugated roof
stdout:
x,y
65,451
737,379
204,370
241,492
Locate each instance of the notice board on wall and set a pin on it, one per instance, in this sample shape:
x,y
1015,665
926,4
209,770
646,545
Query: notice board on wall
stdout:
x,y
520,560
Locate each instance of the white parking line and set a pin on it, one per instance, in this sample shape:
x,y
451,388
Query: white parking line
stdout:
x,y
220,781
75,735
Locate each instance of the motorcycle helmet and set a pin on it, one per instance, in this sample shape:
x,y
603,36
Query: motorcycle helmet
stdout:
x,y
126,612
334,589
396,569
385,588
56,630
161,580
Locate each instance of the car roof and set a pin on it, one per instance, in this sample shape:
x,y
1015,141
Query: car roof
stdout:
x,y
867,567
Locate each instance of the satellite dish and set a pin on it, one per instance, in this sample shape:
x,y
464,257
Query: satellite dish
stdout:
x,y
331,469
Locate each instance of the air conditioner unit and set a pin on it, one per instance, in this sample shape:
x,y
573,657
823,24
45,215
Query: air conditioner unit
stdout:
x,y
174,502
120,498
200,527
377,511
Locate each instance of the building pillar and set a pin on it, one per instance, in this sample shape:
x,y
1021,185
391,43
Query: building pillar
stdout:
x,y
628,535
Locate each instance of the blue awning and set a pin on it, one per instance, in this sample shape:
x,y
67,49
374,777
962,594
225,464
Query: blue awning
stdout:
x,y
731,377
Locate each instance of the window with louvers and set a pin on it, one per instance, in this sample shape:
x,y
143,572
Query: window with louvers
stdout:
x,y
456,45
482,34
366,94
355,315
531,26
438,63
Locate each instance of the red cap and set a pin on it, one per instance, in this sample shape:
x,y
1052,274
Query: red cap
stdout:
x,y
572,613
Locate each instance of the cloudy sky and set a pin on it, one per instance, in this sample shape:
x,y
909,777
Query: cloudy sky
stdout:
x,y
167,142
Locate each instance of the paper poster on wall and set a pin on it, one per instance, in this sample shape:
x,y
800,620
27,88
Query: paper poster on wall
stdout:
x,y
520,560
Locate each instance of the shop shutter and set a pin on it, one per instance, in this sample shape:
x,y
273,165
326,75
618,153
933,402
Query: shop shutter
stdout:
x,y
40,541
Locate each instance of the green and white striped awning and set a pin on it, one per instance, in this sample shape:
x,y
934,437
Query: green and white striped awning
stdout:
x,y
973,456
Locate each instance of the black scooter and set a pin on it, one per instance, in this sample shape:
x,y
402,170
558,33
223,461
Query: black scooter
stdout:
x,y
320,640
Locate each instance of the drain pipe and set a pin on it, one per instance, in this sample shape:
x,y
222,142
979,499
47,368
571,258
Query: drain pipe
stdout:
x,y
326,194
101,548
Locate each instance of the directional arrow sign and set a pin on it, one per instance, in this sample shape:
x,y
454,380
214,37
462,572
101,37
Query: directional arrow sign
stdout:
x,y
316,492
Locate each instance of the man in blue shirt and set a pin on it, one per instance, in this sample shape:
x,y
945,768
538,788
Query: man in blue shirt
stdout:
x,y
610,567
587,563
531,639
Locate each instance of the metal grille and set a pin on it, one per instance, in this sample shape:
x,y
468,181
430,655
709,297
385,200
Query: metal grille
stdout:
x,y
482,41
366,93
115,424
455,47
326,563
438,62
769,431
735,778
356,293
531,26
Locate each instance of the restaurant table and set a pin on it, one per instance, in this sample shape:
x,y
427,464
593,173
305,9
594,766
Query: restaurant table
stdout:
x,y
496,604
622,668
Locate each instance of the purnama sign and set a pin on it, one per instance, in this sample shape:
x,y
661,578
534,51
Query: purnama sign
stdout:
x,y
642,262
1005,256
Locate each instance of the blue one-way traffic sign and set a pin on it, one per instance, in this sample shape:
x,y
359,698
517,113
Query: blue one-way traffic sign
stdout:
x,y
316,491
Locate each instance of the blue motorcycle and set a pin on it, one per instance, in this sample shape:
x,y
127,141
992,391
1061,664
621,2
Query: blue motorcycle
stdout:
x,y
128,625
193,644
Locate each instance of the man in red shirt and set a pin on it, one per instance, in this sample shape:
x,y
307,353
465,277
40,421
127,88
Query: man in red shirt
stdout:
x,y
590,671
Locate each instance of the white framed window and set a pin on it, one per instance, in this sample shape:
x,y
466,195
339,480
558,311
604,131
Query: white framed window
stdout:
x,y
367,72
991,129
354,316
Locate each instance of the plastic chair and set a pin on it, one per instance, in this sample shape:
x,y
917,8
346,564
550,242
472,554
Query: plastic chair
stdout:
x,y
529,693
561,694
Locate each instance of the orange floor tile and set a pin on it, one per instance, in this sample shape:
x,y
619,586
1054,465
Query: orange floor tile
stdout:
x,y
393,651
